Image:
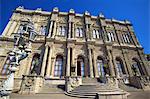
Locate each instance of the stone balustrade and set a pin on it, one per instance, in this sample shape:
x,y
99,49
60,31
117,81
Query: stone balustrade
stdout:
x,y
31,84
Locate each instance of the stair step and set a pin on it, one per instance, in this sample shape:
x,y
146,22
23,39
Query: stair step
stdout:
x,y
90,88
80,96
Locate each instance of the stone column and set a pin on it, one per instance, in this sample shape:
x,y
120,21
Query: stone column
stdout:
x,y
73,30
57,33
69,30
53,66
50,29
44,61
95,65
73,64
111,65
68,63
90,63
54,30
49,65
76,66
87,32
86,66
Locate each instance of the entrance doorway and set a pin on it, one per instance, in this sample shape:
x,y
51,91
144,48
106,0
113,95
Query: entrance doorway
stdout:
x,y
80,66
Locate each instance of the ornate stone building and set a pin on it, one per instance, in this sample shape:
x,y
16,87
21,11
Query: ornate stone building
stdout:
x,y
69,44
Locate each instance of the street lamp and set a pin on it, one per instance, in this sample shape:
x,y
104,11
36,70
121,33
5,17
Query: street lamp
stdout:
x,y
19,52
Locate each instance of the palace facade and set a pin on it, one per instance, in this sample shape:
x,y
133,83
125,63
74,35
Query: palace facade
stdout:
x,y
69,44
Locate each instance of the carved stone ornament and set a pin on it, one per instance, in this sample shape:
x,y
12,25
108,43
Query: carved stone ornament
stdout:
x,y
29,81
74,82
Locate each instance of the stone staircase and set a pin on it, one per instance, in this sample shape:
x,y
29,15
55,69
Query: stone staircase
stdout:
x,y
89,88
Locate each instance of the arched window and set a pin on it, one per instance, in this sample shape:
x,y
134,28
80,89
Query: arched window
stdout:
x,y
136,67
120,67
58,71
35,65
101,67
80,66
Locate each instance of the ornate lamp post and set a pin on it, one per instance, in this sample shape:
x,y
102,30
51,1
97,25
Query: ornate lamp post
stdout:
x,y
22,47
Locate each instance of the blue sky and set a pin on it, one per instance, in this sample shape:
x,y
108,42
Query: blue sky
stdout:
x,y
137,11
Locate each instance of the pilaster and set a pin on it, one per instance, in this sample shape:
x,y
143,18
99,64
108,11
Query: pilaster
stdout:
x,y
54,30
95,64
50,29
49,65
111,65
44,60
90,63
68,62
53,66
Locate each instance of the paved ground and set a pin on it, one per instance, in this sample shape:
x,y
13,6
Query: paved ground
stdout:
x,y
134,95
140,95
41,96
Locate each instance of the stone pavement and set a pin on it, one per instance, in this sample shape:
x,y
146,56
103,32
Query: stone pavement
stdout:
x,y
139,95
134,95
41,96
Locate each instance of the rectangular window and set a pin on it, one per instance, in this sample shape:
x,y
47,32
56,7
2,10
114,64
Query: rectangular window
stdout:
x,y
79,32
97,33
126,38
43,30
110,36
94,33
62,30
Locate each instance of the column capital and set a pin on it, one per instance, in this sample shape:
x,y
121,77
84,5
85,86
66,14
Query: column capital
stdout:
x,y
71,46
